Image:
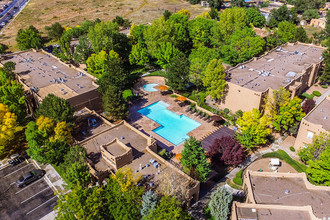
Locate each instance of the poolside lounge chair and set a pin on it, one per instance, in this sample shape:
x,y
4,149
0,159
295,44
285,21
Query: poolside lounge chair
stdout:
x,y
209,120
202,114
188,109
206,117
197,112
193,110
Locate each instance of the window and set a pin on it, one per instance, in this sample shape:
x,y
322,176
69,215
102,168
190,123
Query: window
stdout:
x,y
310,135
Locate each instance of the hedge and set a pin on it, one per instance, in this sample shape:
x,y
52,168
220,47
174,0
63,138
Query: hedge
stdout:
x,y
238,181
292,149
307,96
285,157
317,93
324,86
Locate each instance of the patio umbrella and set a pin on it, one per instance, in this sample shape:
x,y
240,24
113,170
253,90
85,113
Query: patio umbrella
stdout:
x,y
178,156
181,98
163,88
216,118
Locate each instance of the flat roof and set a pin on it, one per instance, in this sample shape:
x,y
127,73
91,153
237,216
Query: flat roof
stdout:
x,y
276,69
271,212
42,71
290,191
123,133
321,114
115,149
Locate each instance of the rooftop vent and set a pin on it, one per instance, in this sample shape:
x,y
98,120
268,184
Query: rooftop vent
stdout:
x,y
287,191
325,117
291,74
288,80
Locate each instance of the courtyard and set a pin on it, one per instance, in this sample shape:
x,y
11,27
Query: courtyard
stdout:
x,y
147,125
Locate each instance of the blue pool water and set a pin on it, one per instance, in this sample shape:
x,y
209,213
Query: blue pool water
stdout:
x,y
174,128
150,87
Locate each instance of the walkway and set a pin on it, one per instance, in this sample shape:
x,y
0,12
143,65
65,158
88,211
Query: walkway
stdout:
x,y
196,210
319,99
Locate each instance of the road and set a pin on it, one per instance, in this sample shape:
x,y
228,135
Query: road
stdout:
x,y
13,9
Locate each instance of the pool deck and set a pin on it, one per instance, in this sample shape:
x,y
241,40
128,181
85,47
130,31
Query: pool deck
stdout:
x,y
147,125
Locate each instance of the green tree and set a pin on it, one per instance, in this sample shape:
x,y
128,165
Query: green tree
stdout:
x,y
220,203
286,31
166,53
168,208
29,38
56,108
314,150
139,55
167,14
65,45
232,19
114,103
325,77
290,112
83,50
301,35
194,161
149,202
3,48
214,14
200,31
216,4
199,58
128,95
82,203
254,16
122,22
178,26
74,167
54,31
309,14
254,129
319,170
46,142
214,79
96,63
237,3
178,73
275,101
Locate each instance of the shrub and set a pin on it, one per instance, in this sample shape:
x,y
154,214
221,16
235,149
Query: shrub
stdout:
x,y
307,96
316,85
324,86
220,203
292,149
226,110
317,93
238,181
193,105
174,96
308,105
164,154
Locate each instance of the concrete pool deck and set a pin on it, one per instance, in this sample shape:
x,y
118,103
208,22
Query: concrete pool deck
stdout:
x,y
147,125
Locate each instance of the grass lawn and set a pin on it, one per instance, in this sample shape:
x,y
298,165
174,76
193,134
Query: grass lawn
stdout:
x,y
41,13
285,157
158,73
310,30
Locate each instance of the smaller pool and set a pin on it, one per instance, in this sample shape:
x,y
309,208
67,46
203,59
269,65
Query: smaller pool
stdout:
x,y
150,87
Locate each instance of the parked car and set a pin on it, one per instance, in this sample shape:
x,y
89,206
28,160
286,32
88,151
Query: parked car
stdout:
x,y
15,159
29,177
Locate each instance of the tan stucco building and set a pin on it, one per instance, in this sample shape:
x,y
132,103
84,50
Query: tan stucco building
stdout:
x,y
113,146
294,67
315,122
42,73
271,195
319,22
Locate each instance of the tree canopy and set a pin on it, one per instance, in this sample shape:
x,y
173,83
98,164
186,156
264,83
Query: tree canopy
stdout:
x,y
29,38
220,203
214,79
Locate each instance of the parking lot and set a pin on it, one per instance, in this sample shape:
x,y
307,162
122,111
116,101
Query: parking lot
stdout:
x,y
30,202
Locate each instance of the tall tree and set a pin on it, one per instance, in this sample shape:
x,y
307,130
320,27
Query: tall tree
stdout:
x,y
55,31
254,16
56,108
194,161
308,105
168,208
200,31
232,19
226,150
3,48
314,150
309,14
96,63
83,50
325,77
289,113
220,203
286,31
114,103
214,79
29,38
8,128
139,54
178,73
166,53
319,170
149,202
254,129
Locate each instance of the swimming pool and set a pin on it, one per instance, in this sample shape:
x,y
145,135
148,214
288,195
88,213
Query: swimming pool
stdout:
x,y
174,128
150,87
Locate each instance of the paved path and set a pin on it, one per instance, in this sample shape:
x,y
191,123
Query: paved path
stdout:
x,y
196,210
319,99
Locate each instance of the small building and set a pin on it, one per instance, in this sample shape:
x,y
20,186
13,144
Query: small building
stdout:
x,y
110,147
303,22
294,67
315,122
320,22
268,193
42,73
205,4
